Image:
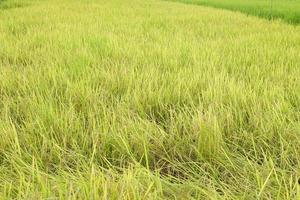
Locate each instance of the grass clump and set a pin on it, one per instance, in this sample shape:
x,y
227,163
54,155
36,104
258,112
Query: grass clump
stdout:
x,y
147,100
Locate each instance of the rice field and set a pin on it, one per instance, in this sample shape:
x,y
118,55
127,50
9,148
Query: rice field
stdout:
x,y
134,99
285,10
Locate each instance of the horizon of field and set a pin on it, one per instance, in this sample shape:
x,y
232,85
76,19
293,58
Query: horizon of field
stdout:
x,y
134,99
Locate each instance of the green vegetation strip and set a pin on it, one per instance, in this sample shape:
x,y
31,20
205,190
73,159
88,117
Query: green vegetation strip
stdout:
x,y
287,10
9,4
135,99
